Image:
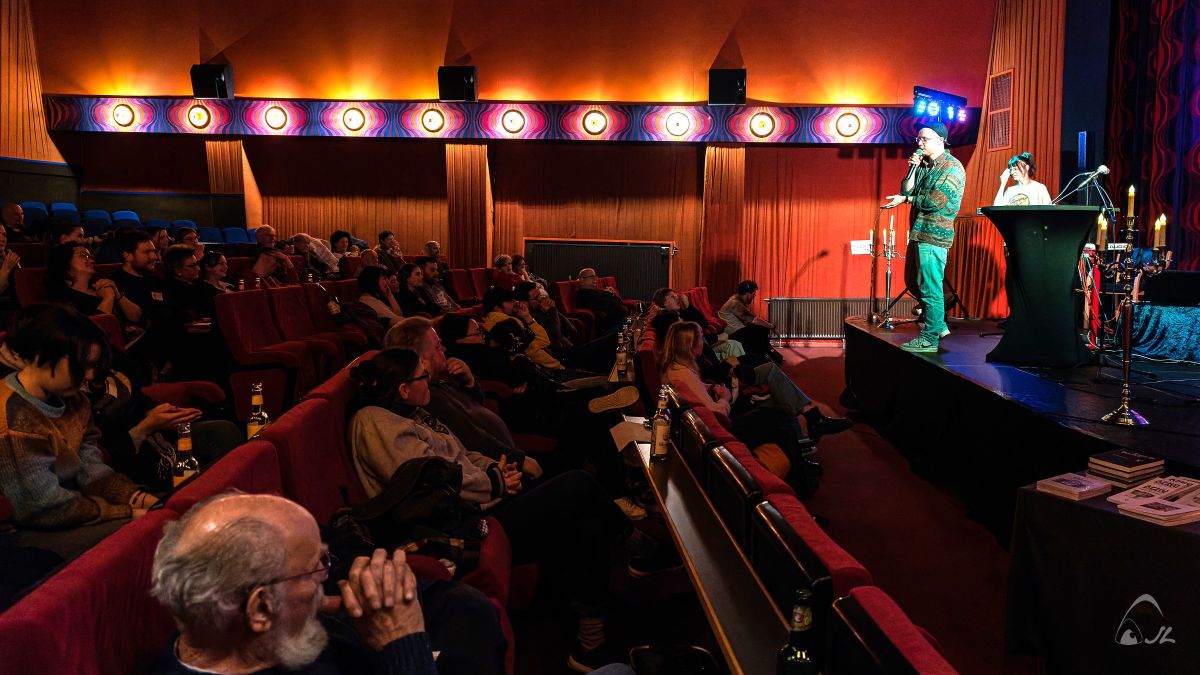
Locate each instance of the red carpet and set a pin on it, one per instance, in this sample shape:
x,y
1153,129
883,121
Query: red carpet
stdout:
x,y
947,572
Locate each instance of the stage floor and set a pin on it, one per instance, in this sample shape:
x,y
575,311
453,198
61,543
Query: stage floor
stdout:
x,y
991,427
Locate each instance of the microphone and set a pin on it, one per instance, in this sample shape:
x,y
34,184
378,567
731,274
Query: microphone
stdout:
x,y
912,169
1100,171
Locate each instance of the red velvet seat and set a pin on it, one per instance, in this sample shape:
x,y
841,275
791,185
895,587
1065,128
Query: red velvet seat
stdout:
x,y
254,341
604,283
481,280
183,394
96,614
699,299
871,634
290,309
29,285
564,296
349,266
318,310
819,557
33,254
252,467
461,286
314,458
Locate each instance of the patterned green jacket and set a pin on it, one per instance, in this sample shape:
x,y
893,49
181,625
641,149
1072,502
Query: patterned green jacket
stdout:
x,y
937,192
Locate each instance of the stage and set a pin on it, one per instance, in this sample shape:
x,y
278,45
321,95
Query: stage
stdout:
x,y
985,429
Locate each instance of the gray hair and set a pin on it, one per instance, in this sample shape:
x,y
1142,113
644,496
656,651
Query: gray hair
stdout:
x,y
501,260
408,333
205,586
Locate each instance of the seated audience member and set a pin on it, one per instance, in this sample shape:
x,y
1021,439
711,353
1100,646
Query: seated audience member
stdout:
x,y
369,258
213,269
109,249
68,281
161,238
340,244
434,250
242,576
50,467
742,325
378,288
501,305
411,295
388,250
62,231
269,268
566,519
543,309
9,261
182,286
757,427
13,217
318,259
521,268
159,322
667,299
502,273
264,235
611,311
434,290
188,236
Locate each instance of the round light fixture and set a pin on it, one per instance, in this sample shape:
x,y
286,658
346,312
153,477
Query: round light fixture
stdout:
x,y
122,114
433,120
678,123
595,122
354,119
276,117
762,125
513,121
934,109
848,124
199,116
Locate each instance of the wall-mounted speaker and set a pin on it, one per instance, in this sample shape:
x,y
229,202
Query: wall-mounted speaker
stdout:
x,y
213,80
456,83
727,86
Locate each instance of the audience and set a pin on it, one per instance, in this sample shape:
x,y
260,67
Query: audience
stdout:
x,y
160,236
411,295
264,235
378,288
669,300
68,281
434,250
388,250
188,236
742,325
64,497
340,244
433,288
566,519
521,268
269,268
13,218
318,259
213,269
182,286
610,311
62,231
9,261
503,275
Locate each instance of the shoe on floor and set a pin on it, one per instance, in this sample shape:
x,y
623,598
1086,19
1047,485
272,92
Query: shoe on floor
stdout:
x,y
945,333
586,660
829,425
920,346
621,398
631,509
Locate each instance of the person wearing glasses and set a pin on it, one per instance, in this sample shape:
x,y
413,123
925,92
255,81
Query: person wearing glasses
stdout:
x,y
1025,191
242,576
611,311
934,190
68,281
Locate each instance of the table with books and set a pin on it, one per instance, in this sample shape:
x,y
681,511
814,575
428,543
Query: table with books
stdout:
x,y
1102,570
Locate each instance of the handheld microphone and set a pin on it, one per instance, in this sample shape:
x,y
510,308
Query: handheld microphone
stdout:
x,y
912,169
1100,171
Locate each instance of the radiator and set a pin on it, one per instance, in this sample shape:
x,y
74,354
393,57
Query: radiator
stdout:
x,y
821,318
640,269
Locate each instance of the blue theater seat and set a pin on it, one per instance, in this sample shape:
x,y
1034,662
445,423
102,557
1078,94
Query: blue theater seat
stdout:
x,y
210,235
235,235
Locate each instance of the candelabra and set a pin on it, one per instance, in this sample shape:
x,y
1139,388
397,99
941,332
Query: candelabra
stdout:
x,y
886,249
1128,274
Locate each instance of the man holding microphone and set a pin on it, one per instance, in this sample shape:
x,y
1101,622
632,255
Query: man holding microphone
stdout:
x,y
934,187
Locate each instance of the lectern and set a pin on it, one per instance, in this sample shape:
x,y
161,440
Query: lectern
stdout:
x,y
1044,244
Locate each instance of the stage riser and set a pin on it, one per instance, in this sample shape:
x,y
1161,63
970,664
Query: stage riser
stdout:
x,y
823,318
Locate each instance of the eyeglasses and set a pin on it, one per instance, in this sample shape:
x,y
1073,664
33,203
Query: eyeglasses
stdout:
x,y
418,378
926,139
327,561
588,276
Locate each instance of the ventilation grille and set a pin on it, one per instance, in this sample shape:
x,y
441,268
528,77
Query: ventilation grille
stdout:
x,y
822,318
640,269
1000,106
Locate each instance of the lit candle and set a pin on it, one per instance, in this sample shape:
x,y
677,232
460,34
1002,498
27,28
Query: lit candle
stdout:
x,y
1101,233
1129,212
871,238
1160,231
892,231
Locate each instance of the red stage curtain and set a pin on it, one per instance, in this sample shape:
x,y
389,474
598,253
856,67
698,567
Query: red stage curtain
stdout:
x,y
225,167
599,192
469,198
22,119
724,208
1154,119
321,185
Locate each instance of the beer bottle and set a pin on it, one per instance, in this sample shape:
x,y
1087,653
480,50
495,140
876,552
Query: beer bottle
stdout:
x,y
186,465
795,658
241,284
622,354
660,428
331,301
258,417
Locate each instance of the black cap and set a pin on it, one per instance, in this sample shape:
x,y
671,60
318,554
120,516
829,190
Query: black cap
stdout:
x,y
938,128
747,286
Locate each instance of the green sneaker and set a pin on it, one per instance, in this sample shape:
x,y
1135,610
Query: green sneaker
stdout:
x,y
920,346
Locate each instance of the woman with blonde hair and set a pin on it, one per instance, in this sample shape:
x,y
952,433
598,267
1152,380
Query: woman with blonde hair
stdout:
x,y
770,432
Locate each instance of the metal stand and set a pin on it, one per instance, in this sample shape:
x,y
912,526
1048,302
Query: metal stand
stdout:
x,y
888,251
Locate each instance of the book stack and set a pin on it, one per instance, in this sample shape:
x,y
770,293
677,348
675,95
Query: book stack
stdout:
x,y
1163,487
1074,486
1161,511
1124,468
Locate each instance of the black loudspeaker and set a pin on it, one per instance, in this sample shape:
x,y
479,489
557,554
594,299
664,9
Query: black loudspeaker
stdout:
x,y
456,83
1177,288
212,80
727,86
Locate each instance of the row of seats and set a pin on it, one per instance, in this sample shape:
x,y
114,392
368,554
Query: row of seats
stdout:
x,y
783,542
96,222
96,615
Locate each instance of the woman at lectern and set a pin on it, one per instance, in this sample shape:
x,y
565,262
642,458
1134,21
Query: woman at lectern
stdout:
x,y
1026,191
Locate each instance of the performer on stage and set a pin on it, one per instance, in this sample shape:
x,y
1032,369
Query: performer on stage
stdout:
x,y
934,187
1026,191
